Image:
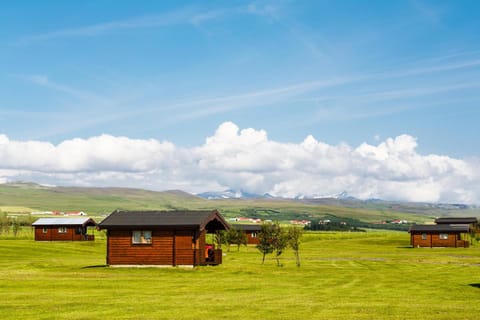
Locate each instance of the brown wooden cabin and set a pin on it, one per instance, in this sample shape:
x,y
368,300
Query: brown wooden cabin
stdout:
x,y
251,230
63,229
172,238
440,235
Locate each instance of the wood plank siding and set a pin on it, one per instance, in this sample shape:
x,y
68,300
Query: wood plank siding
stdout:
x,y
63,229
168,247
434,240
175,238
52,234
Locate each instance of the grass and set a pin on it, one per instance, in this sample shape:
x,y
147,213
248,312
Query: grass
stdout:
x,y
371,275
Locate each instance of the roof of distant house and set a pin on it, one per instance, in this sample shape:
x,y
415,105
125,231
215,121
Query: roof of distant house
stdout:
x,y
459,220
247,227
64,222
440,228
189,219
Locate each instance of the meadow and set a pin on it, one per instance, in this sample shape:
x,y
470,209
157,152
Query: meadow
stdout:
x,y
372,275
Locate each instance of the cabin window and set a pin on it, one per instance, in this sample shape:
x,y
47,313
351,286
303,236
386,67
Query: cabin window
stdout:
x,y
443,236
62,229
254,235
424,236
45,230
142,237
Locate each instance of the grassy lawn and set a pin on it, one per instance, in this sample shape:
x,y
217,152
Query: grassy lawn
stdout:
x,y
370,275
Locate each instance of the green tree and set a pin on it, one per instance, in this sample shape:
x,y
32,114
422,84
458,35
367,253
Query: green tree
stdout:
x,y
279,241
240,238
15,226
294,234
265,240
236,237
4,223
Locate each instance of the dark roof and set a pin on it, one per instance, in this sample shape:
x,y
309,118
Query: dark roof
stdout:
x,y
459,228
247,227
65,222
210,220
459,220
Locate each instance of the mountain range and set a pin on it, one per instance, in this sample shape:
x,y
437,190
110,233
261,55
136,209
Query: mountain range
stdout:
x,y
22,196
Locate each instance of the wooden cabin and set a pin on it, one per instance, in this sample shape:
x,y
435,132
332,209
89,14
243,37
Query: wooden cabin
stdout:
x,y
63,229
251,230
172,238
440,235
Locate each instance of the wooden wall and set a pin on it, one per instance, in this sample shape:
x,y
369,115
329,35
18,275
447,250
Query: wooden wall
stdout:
x,y
251,239
433,240
168,247
53,234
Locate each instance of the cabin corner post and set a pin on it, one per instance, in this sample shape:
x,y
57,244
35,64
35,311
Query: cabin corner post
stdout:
x,y
174,246
108,247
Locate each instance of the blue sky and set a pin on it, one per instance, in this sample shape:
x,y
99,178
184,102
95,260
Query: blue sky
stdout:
x,y
344,72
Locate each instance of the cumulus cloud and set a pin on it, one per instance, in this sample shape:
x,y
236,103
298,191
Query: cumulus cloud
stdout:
x,y
247,159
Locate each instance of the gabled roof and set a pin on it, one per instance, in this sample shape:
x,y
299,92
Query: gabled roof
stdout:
x,y
247,227
85,221
435,228
210,220
459,220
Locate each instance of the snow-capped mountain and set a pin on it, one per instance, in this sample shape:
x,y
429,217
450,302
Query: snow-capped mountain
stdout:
x,y
240,194
340,196
232,194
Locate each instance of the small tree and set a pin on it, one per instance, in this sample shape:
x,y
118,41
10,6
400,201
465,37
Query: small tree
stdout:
x,y
241,239
279,241
235,236
4,223
15,226
265,245
294,234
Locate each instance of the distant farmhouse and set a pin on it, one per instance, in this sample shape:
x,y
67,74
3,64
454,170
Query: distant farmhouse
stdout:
x,y
447,232
63,229
171,238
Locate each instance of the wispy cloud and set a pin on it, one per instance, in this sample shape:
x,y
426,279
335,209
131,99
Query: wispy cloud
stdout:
x,y
44,81
187,15
148,21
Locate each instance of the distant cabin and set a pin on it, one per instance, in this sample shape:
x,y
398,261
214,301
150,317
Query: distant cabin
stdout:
x,y
440,235
63,229
171,238
251,230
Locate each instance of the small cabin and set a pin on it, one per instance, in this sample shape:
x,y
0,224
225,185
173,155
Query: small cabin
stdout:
x,y
440,235
251,230
63,229
155,238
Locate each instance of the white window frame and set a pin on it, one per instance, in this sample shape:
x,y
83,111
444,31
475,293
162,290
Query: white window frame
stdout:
x,y
443,236
62,229
142,237
424,236
44,230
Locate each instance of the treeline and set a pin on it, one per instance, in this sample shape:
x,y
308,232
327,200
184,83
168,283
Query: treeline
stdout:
x,y
273,239
12,224
334,223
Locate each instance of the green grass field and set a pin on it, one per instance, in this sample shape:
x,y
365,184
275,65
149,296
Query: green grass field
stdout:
x,y
371,275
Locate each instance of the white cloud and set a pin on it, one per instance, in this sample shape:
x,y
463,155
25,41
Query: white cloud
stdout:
x,y
246,159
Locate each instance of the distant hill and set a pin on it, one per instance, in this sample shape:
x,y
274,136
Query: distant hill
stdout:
x,y
101,201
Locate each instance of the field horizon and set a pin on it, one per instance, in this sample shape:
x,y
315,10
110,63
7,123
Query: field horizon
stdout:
x,y
23,198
